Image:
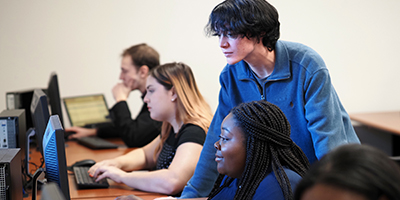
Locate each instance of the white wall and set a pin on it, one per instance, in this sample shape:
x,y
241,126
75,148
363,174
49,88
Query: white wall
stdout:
x,y
82,41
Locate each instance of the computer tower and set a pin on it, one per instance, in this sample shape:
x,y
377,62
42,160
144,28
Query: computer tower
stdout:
x,y
12,128
10,174
13,134
21,100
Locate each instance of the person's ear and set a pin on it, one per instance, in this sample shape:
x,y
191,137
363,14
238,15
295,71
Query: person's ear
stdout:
x,y
144,71
260,40
174,96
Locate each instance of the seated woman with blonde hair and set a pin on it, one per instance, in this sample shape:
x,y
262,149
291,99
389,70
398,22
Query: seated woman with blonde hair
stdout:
x,y
173,98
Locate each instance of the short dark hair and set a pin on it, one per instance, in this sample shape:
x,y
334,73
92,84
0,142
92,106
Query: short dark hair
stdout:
x,y
361,169
247,18
142,54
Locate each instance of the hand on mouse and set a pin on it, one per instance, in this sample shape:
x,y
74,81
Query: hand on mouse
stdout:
x,y
81,132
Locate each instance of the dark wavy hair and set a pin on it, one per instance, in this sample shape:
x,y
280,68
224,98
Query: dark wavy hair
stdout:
x,y
268,148
356,168
246,18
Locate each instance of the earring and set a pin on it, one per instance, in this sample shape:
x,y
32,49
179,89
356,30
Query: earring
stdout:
x,y
172,99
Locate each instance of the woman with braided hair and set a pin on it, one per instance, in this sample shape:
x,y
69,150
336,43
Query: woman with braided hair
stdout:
x,y
256,157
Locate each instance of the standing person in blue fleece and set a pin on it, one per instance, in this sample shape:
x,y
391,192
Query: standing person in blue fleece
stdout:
x,y
290,75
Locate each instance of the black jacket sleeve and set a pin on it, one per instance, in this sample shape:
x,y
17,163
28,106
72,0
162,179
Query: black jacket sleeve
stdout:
x,y
134,132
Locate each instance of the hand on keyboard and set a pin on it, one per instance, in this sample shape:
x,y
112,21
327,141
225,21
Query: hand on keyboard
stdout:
x,y
84,181
110,172
109,162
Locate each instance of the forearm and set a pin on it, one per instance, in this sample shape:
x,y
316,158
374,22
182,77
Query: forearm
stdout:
x,y
168,181
206,172
134,160
107,131
160,181
328,122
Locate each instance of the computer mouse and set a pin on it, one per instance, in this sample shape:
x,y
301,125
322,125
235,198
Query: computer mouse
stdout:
x,y
67,134
84,163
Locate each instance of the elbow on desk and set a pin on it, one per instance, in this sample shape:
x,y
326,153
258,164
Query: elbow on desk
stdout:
x,y
172,186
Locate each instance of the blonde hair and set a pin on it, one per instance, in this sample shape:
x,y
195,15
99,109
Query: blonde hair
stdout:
x,y
192,107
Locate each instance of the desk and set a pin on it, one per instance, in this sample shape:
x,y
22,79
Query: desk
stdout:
x,y
75,152
387,121
379,129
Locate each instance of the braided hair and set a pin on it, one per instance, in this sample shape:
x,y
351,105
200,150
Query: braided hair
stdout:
x,y
268,148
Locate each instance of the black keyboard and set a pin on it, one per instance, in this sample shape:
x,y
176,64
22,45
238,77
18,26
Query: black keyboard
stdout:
x,y
84,181
96,143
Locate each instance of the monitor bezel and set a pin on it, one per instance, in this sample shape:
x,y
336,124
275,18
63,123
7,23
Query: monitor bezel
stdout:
x,y
53,94
54,155
40,116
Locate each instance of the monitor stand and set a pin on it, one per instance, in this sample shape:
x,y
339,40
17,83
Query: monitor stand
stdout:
x,y
39,175
29,133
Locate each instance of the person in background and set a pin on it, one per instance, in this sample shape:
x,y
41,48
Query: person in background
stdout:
x,y
351,172
255,156
173,98
288,74
136,63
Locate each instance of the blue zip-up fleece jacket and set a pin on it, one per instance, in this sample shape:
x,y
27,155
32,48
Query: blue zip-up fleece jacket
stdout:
x,y
301,87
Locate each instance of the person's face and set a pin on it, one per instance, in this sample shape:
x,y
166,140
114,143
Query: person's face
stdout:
x,y
129,74
236,48
326,192
231,149
160,102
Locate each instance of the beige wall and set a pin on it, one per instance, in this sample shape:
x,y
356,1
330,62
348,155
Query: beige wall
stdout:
x,y
82,41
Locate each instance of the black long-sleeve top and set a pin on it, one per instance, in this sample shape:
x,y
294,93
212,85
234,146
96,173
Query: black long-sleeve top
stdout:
x,y
134,132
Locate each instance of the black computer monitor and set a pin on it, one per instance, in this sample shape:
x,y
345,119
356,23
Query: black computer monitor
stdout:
x,y
53,94
54,155
40,115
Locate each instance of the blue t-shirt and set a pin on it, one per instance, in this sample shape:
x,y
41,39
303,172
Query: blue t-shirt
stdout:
x,y
268,189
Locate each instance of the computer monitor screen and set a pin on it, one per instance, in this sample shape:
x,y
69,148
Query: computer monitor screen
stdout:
x,y
53,93
87,110
40,115
54,155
